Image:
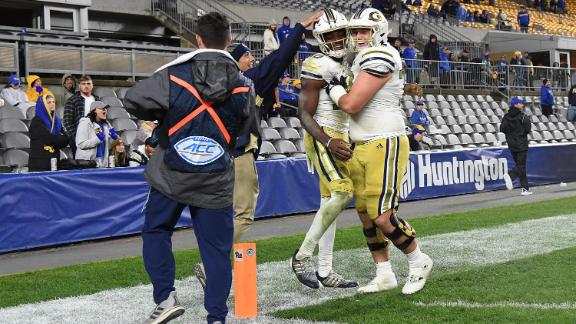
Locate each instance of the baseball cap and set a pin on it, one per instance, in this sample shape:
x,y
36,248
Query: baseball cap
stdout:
x,y
418,129
419,102
516,101
13,79
98,104
412,41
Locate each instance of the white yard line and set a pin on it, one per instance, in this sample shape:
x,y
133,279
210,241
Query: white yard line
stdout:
x,y
278,288
465,304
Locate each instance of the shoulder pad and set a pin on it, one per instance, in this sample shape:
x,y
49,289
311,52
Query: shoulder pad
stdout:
x,y
320,67
378,60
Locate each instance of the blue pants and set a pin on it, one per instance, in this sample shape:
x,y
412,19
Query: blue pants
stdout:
x,y
214,230
571,113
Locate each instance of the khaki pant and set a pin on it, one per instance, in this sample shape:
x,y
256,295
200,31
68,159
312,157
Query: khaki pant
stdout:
x,y
245,193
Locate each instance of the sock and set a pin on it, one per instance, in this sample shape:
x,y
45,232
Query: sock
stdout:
x,y
324,217
325,250
414,256
383,267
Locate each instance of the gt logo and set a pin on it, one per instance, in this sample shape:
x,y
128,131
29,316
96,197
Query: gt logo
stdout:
x,y
374,16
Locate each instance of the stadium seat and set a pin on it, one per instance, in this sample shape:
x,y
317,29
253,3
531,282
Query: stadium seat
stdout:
x,y
121,93
457,112
299,143
439,121
553,119
31,112
552,127
561,126
453,140
504,105
490,128
536,136
445,105
490,139
495,105
124,124
479,128
450,98
112,101
494,119
263,124
16,157
460,98
473,120
276,156
455,105
289,133
489,98
270,134
446,112
293,122
435,113
569,135
432,105
558,135
440,98
484,120
547,136
467,128
534,119
451,121
129,136
11,112
285,146
456,129
501,137
276,122
267,148
480,98
570,126
12,125
409,105
15,140
541,127
543,119
478,138
117,112
470,98
60,111
406,98
298,155
462,119
104,92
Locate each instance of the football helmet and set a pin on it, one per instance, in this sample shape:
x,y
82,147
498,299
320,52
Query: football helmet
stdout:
x,y
368,18
331,45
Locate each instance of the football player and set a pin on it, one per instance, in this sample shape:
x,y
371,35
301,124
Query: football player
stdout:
x,y
327,147
381,147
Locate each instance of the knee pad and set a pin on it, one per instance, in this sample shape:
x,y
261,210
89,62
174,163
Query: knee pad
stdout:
x,y
402,228
372,233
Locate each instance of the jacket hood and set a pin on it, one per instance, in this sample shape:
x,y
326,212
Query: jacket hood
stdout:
x,y
214,75
30,79
432,36
74,81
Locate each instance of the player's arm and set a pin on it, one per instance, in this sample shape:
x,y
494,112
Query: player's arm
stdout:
x,y
364,88
309,97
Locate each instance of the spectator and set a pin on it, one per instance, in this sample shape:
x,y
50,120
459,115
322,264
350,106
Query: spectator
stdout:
x,y
546,98
285,30
417,3
69,85
145,130
409,57
462,14
398,45
95,135
571,113
424,77
14,95
288,94
35,89
138,157
524,19
77,107
561,6
529,70
419,117
445,66
271,42
501,16
432,53
46,135
516,126
543,5
119,152
304,50
432,11
416,137
517,62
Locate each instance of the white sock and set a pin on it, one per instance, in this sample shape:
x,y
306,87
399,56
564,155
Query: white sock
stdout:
x,y
383,267
325,250
329,210
414,256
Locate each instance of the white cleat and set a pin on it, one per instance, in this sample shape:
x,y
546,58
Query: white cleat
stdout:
x,y
526,192
417,275
383,282
508,181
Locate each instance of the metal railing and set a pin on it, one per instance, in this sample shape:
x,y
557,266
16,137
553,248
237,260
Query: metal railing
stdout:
x,y
9,57
177,14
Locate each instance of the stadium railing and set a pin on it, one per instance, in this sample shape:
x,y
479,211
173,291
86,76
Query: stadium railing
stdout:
x,y
9,57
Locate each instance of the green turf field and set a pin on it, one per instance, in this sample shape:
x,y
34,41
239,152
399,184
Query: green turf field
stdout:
x,y
536,288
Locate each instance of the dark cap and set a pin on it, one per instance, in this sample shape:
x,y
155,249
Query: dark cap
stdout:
x,y
239,51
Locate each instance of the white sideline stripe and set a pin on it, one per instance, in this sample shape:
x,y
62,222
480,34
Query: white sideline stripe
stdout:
x,y
278,288
465,304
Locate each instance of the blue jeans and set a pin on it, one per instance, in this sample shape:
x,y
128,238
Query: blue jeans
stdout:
x,y
214,230
571,113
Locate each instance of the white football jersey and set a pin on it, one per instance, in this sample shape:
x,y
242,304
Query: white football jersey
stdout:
x,y
382,116
322,67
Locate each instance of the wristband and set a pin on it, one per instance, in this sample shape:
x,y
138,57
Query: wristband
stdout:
x,y
328,142
336,92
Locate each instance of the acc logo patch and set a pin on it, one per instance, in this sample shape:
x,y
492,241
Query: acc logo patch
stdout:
x,y
199,150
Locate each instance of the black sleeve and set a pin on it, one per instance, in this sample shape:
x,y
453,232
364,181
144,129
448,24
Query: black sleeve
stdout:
x,y
149,99
504,126
39,131
251,123
527,125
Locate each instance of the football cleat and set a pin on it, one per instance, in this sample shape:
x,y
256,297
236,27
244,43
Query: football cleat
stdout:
x,y
305,271
166,311
417,275
385,281
334,280
200,274
525,192
508,181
